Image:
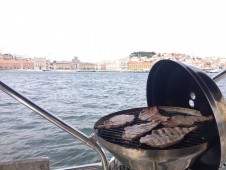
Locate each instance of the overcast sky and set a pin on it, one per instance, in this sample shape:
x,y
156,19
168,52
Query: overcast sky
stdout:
x,y
95,30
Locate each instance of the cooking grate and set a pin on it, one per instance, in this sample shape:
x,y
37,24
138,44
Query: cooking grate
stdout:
x,y
205,132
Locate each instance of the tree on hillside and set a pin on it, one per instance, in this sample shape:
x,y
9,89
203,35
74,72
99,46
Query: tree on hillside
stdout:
x,y
142,54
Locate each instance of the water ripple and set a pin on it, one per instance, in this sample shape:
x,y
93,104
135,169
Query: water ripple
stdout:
x,y
79,99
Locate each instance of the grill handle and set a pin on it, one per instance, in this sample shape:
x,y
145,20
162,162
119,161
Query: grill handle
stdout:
x,y
72,131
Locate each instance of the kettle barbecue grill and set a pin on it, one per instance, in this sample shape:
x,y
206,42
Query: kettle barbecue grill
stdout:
x,y
174,87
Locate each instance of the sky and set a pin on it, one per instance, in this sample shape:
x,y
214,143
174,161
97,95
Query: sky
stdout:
x,y
96,30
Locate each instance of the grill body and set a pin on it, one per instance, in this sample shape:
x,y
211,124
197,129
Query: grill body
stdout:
x,y
180,87
142,157
138,159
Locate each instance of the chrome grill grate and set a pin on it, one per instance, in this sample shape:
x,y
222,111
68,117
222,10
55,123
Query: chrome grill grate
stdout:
x,y
205,132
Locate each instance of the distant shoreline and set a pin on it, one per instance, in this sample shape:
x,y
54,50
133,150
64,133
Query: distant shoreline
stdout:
x,y
79,71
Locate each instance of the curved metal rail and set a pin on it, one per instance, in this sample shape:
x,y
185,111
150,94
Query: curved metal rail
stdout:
x,y
219,76
47,115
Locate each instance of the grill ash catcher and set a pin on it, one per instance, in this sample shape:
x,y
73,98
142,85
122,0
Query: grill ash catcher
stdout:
x,y
172,87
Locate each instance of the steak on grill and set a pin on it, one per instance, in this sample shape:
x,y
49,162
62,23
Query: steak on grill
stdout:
x,y
151,114
136,131
165,137
181,120
116,121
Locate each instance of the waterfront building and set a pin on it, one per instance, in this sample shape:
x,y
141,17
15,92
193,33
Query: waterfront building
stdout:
x,y
40,63
28,64
87,66
47,64
121,64
139,66
6,57
75,64
101,66
62,65
135,59
210,63
25,64
222,63
10,64
111,66
198,63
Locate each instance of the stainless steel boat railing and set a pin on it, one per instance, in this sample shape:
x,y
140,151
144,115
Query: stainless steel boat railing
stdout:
x,y
219,76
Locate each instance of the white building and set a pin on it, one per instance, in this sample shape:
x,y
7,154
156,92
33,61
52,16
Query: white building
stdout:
x,y
111,66
47,64
101,66
75,64
121,64
222,62
40,63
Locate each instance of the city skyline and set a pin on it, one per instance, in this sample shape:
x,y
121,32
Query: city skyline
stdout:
x,y
104,30
136,62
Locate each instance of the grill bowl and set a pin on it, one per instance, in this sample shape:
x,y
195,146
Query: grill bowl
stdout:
x,y
139,156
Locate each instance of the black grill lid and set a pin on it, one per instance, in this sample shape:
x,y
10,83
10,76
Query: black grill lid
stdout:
x,y
172,83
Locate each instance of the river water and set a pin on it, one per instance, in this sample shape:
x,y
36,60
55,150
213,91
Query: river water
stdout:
x,y
78,98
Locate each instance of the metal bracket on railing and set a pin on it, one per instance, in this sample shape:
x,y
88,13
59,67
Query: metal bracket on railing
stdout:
x,y
47,115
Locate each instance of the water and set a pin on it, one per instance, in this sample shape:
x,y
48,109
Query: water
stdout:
x,y
79,99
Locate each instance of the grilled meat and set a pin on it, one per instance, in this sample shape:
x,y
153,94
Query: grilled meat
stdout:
x,y
165,137
152,114
181,120
116,121
136,131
